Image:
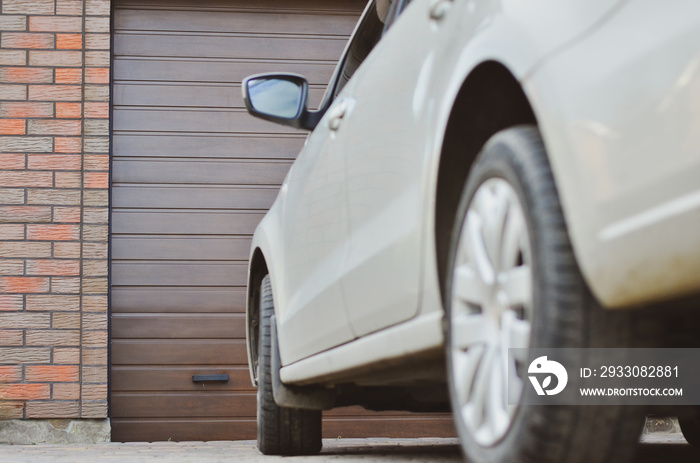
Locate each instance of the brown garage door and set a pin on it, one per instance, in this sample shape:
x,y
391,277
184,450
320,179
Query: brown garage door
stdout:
x,y
192,176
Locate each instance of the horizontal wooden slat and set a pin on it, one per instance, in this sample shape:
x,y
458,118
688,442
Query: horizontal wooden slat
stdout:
x,y
168,171
221,21
160,247
224,71
125,429
183,404
187,96
193,197
152,273
200,146
174,378
187,429
178,326
220,121
177,300
180,352
183,222
241,46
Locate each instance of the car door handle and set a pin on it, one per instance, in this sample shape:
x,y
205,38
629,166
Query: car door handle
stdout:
x,y
439,9
336,115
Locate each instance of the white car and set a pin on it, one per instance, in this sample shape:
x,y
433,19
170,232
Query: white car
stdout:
x,y
481,174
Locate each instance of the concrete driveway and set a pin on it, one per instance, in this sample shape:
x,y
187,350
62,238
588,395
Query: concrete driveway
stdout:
x,y
656,449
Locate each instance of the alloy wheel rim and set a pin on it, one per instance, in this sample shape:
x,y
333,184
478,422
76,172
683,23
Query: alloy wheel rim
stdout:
x,y
491,310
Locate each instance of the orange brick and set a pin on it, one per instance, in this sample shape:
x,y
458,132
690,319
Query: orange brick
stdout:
x,y
26,179
24,285
53,232
65,321
54,162
51,373
25,213
66,214
64,250
97,75
27,40
24,391
69,76
69,110
97,110
69,41
26,75
96,180
65,391
10,374
55,93
12,161
55,24
68,145
11,338
54,127
52,267
25,110
12,126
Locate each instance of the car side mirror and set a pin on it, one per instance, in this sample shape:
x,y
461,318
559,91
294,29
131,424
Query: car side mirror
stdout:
x,y
280,98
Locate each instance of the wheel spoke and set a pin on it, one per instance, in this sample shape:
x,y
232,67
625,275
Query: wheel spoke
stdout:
x,y
477,246
511,241
468,286
517,284
470,329
465,364
516,333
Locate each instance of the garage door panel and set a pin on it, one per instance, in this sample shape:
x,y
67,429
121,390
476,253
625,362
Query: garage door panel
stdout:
x,y
259,46
143,95
311,23
179,352
189,429
177,300
174,326
173,405
161,247
193,121
209,146
203,70
179,378
169,171
185,222
153,273
193,197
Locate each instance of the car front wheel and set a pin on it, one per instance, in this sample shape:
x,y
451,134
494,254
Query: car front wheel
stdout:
x,y
513,282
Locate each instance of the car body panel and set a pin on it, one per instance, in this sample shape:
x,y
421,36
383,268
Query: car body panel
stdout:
x,y
628,161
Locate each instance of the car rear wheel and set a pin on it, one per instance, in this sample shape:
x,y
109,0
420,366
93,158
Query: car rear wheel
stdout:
x,y
513,281
281,430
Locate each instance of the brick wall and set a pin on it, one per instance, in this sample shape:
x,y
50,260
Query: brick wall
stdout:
x,y
54,179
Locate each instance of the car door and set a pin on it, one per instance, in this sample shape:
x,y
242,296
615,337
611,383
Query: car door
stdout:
x,y
384,139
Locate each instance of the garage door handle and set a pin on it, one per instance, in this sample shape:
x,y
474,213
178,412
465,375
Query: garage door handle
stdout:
x,y
208,378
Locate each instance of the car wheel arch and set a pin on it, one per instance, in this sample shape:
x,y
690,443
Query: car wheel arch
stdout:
x,y
256,272
489,100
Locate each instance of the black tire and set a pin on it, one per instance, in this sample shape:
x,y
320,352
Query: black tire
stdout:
x,y
565,314
691,431
281,430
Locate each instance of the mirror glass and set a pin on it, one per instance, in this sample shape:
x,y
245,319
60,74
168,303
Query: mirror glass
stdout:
x,y
275,97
